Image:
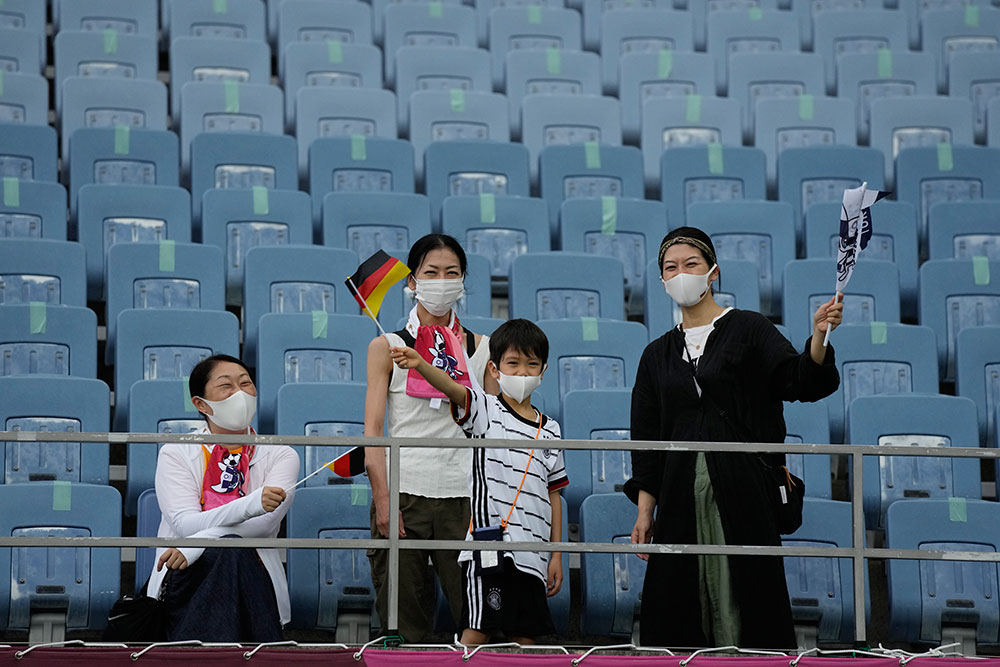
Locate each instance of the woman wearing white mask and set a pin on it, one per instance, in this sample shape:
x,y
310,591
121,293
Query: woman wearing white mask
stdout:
x,y
719,376
219,594
434,491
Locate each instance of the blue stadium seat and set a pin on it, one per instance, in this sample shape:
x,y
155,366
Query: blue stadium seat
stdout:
x,y
449,115
331,63
914,421
233,19
32,209
48,340
148,519
964,229
868,31
307,347
294,279
166,274
549,72
472,168
977,375
24,99
480,325
585,171
936,601
566,285
740,288
64,587
880,358
709,173
595,414
974,75
594,12
815,175
802,122
128,17
589,353
640,30
691,120
438,68
320,23
54,404
810,13
112,214
643,75
425,24
42,270
366,222
237,220
240,160
333,111
702,9
119,157
915,13
99,55
945,173
548,120
956,295
865,77
215,61
871,296
20,51
809,423
992,124
530,27
610,583
966,27
24,15
498,228
28,152
760,76
110,103
762,232
754,30
484,7
156,344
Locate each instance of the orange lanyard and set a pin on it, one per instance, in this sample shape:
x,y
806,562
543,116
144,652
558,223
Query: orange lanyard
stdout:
x,y
531,454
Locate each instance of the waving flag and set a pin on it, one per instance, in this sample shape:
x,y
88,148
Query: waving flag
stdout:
x,y
373,279
855,229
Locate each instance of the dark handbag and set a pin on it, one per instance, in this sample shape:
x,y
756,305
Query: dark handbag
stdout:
x,y
138,619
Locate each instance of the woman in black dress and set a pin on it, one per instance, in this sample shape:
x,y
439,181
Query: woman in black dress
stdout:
x,y
719,376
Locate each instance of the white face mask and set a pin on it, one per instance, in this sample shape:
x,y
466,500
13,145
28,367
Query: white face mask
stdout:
x,y
519,387
687,289
234,413
439,296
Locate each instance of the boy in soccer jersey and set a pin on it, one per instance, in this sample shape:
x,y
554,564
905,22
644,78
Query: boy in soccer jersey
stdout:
x,y
515,492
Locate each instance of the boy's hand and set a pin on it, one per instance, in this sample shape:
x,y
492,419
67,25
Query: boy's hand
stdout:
x,y
555,578
405,357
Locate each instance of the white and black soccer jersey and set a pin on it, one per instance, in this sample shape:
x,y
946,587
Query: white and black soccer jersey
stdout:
x,y
497,473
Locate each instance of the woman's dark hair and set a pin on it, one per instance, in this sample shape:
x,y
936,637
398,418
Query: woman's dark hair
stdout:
x,y
430,242
700,239
521,335
203,370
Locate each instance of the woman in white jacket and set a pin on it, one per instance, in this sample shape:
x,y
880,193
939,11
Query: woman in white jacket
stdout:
x,y
220,594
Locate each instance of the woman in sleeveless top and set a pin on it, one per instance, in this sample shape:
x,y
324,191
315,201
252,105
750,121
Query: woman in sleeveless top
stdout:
x,y
433,484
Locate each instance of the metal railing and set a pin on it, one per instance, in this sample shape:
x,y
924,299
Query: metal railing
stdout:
x,y
858,552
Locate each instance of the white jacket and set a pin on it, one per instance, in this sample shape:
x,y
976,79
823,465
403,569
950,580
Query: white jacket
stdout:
x,y
180,470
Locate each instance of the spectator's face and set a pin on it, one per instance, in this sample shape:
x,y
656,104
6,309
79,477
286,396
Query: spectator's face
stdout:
x,y
438,264
683,258
515,362
226,379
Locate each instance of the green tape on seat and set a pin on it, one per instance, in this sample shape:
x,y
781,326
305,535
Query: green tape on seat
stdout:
x,y
972,16
592,154
487,208
693,114
36,317
62,496
435,9
534,14
110,41
123,139
755,14
188,405
553,61
261,205
715,165
589,328
11,191
981,270
232,91
946,161
219,6
320,322
807,107
359,150
884,63
665,63
958,510
609,215
167,255
359,495
334,51
880,333
457,100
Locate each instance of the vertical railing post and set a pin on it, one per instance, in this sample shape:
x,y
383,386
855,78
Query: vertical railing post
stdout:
x,y
393,539
858,543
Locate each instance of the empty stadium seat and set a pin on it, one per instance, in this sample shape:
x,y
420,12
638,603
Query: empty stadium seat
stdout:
x,y
974,75
24,15
128,17
809,423
810,13
148,519
566,284
438,68
232,19
530,27
330,63
426,24
702,9
992,124
760,76
32,209
967,27
977,375
964,229
366,222
215,61
484,7
24,99
643,75
646,29
594,12
103,54
755,30
868,30
709,173
915,14
472,168
42,270
20,51
549,72
314,22
548,120
38,339
28,152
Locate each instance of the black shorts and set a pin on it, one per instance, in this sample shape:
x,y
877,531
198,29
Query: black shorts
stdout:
x,y
512,602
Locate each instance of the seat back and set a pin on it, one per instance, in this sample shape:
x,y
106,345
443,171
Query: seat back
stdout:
x,y
38,339
864,30
963,230
956,29
730,32
20,51
28,152
756,76
215,61
424,24
566,285
973,75
977,375
471,168
498,228
330,63
312,22
552,120
32,210
708,173
514,28
647,29
809,423
147,525
25,98
366,222
239,19
438,68
127,17
111,53
548,72
41,270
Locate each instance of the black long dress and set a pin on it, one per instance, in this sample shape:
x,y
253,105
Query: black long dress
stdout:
x,y
747,369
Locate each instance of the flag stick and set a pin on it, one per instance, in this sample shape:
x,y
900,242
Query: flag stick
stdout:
x,y
826,338
312,474
370,314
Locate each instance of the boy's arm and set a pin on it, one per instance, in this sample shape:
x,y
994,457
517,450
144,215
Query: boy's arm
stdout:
x,y
554,575
407,357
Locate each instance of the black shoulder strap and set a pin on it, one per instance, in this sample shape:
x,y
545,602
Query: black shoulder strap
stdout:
x,y
408,340
470,344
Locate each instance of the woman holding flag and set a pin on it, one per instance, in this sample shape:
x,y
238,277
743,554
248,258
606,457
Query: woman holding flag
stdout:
x,y
433,485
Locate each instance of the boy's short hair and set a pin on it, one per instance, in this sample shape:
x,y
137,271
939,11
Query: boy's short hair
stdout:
x,y
521,335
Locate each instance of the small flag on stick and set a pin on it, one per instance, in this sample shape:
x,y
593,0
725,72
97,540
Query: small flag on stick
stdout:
x,y
349,464
373,279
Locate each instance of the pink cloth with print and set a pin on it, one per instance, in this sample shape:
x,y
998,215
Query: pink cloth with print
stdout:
x,y
441,348
225,475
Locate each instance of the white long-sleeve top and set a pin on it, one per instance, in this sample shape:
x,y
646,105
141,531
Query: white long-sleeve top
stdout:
x,y
180,470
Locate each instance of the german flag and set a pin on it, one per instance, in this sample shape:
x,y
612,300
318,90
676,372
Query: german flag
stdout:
x,y
349,464
373,279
